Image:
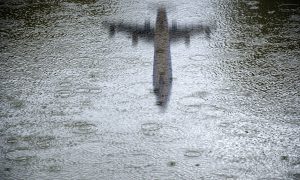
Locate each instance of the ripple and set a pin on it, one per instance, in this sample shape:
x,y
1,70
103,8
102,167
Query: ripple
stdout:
x,y
190,104
159,133
138,160
23,148
44,142
64,93
52,165
198,57
12,140
54,168
240,130
252,3
254,7
21,156
82,90
130,160
295,18
28,138
18,104
95,90
147,64
82,127
57,113
149,129
192,153
225,125
288,7
200,94
65,84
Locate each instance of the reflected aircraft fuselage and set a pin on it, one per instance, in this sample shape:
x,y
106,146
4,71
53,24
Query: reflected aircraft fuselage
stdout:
x,y
162,68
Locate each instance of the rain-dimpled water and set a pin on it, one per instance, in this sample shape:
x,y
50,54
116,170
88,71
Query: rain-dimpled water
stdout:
x,y
128,89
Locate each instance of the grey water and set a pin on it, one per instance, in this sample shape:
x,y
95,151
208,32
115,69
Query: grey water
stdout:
x,y
77,103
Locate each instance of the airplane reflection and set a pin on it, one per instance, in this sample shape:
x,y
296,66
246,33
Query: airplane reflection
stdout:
x,y
162,36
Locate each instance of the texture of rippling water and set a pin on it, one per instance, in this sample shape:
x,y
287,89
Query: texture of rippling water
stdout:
x,y
76,104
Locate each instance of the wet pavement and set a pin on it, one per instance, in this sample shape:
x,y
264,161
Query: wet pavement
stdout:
x,y
77,103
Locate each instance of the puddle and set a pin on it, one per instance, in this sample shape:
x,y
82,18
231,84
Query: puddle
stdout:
x,y
71,91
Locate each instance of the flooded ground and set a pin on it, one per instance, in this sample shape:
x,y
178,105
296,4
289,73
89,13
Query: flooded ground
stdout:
x,y
78,104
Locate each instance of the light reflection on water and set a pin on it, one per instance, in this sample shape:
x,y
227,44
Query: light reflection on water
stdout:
x,y
76,103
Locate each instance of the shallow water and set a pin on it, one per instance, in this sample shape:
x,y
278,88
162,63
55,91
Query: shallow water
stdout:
x,y
77,104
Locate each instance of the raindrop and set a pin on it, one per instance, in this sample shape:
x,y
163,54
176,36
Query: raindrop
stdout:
x,y
23,158
63,93
171,163
65,84
20,156
198,57
284,158
158,133
81,127
82,90
7,169
192,153
12,140
44,142
54,168
95,90
190,104
149,129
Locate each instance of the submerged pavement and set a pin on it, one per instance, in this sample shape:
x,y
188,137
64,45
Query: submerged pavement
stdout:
x,y
79,104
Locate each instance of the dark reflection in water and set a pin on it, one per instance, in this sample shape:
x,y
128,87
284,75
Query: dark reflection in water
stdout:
x,y
29,12
32,12
270,69
161,35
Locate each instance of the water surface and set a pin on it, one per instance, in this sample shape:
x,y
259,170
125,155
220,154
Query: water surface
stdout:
x,y
78,104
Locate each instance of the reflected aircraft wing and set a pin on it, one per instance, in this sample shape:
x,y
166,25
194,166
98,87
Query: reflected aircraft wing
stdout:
x,y
137,32
146,32
178,33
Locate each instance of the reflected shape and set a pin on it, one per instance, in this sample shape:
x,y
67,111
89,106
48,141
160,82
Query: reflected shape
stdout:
x,y
162,68
161,35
